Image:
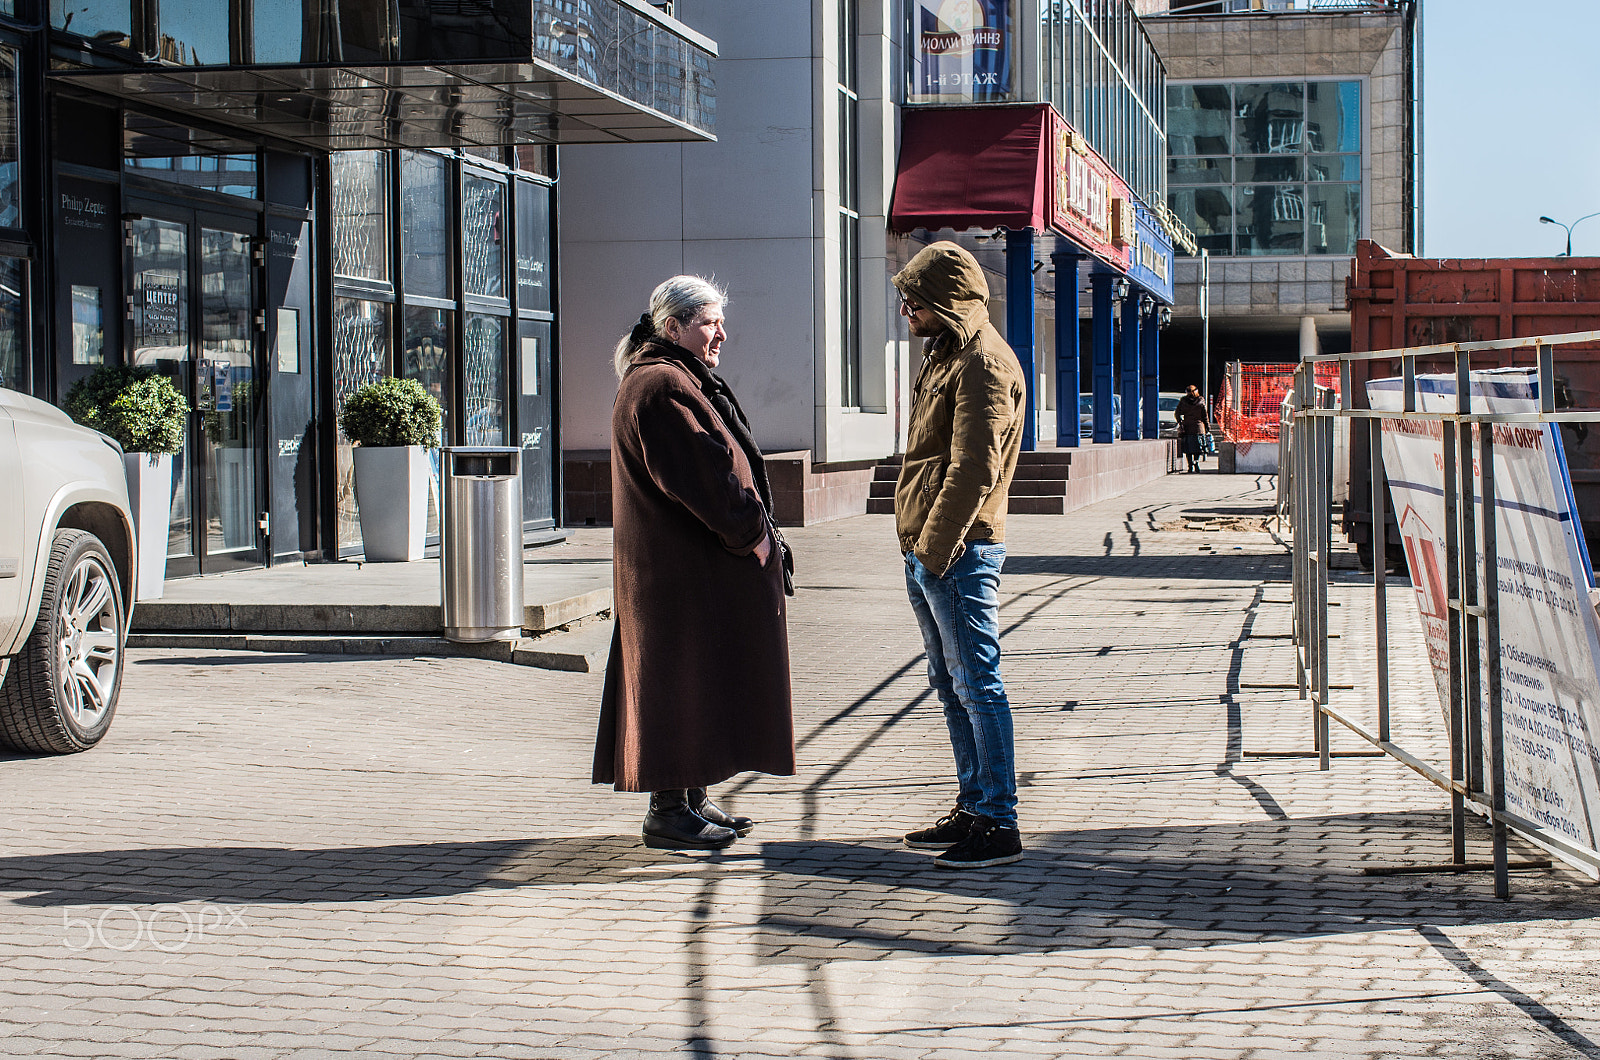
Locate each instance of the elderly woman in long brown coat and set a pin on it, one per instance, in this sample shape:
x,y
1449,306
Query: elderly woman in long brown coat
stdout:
x,y
697,688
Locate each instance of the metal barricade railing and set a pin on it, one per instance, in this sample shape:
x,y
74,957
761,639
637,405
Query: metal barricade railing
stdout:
x,y
1474,719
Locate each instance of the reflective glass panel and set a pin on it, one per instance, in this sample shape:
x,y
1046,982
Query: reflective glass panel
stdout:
x,y
1199,170
1335,218
425,222
1272,219
10,178
108,21
360,225
229,391
1197,120
1209,214
13,325
483,354
1335,167
1270,168
192,33
158,335
1333,116
280,32
427,356
1269,118
360,356
533,246
483,263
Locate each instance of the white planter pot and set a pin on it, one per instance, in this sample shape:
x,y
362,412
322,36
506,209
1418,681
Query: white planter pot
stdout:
x,y
392,500
150,499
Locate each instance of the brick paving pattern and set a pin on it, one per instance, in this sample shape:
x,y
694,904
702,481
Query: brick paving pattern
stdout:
x,y
282,856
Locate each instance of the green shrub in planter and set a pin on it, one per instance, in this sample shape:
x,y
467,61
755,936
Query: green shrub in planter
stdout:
x,y
138,407
391,412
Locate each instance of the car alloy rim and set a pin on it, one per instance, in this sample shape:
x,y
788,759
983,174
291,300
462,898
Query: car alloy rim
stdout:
x,y
88,644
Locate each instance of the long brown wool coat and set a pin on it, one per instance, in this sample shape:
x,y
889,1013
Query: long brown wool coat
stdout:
x,y
697,687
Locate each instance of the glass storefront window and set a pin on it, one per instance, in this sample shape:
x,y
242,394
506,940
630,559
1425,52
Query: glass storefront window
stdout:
x,y
483,353
427,356
360,356
483,265
13,325
10,154
227,174
107,21
533,246
425,223
360,218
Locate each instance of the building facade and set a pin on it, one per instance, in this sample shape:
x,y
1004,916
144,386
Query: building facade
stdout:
x,y
1291,127
794,207
273,202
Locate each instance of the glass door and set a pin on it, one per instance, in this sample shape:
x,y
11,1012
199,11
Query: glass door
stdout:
x,y
192,317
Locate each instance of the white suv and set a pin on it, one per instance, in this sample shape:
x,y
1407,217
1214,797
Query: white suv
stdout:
x,y
67,564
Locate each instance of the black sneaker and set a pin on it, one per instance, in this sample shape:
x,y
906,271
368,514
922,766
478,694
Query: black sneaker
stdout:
x,y
989,843
953,827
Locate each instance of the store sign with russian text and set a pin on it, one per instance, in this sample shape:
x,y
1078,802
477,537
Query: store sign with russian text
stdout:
x,y
1151,255
961,51
1085,195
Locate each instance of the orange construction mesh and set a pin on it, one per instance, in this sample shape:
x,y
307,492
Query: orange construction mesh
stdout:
x,y
1252,415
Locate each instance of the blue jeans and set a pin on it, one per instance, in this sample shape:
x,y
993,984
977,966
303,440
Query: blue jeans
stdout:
x,y
960,619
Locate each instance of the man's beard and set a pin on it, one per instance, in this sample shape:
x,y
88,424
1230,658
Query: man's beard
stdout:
x,y
925,331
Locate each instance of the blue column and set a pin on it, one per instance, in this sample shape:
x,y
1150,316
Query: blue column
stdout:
x,y
1019,321
1103,380
1130,364
1150,368
1067,385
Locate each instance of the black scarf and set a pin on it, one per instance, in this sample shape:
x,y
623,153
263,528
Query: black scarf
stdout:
x,y
717,391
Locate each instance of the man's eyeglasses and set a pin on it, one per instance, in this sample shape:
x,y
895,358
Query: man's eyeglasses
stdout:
x,y
909,305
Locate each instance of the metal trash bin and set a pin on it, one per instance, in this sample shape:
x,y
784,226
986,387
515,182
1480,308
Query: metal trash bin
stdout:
x,y
480,551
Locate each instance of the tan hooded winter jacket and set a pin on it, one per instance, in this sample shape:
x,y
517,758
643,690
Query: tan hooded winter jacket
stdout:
x,y
966,415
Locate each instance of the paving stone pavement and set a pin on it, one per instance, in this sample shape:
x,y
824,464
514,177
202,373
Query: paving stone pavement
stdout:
x,y
282,856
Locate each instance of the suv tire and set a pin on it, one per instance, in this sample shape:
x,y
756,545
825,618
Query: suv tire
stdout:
x,y
61,689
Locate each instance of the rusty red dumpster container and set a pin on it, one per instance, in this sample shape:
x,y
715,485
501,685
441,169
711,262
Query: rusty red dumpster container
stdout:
x,y
1396,300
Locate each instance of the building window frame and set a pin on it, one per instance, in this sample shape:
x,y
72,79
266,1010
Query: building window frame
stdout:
x,y
1237,175
847,93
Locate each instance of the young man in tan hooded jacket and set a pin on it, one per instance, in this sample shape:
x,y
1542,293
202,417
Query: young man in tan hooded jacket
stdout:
x,y
967,409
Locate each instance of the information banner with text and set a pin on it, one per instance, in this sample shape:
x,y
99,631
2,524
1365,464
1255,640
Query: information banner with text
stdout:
x,y
1549,635
961,51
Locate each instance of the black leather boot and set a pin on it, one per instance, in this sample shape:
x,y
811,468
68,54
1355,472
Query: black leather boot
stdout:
x,y
672,825
700,802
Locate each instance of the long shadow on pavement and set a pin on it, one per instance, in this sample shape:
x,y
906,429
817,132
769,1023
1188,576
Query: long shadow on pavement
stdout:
x,y
1170,887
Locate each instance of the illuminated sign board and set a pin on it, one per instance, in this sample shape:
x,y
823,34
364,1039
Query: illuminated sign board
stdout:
x,y
961,51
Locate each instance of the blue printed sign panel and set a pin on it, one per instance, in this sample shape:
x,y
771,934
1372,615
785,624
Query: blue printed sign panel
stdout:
x,y
961,51
1151,256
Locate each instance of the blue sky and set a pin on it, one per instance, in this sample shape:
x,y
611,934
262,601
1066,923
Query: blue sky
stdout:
x,y
1511,127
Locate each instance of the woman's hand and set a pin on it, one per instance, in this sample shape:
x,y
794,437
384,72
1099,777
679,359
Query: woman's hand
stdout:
x,y
763,551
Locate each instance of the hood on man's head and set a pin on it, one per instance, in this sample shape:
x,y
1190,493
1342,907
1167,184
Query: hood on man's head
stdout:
x,y
949,281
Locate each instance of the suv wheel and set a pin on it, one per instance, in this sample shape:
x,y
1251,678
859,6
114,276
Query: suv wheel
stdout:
x,y
61,691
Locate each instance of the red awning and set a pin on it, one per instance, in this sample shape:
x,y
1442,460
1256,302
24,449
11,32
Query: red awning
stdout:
x,y
978,167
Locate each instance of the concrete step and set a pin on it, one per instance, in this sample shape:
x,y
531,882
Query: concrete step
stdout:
x,y
1038,487
1036,505
1060,469
878,488
345,619
880,506
581,649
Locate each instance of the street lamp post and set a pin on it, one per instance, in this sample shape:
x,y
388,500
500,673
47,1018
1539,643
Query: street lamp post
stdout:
x,y
1569,228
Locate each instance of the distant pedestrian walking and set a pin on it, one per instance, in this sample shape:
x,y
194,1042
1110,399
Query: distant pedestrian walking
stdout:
x,y
697,687
1193,426
964,434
